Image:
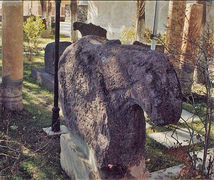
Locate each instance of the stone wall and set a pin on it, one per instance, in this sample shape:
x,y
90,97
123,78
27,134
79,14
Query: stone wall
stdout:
x,y
82,11
119,15
114,16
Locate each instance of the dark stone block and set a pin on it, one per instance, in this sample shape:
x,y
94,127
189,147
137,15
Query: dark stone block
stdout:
x,y
89,29
50,55
43,77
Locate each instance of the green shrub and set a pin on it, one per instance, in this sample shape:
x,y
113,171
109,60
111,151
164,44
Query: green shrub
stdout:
x,y
33,28
160,39
128,36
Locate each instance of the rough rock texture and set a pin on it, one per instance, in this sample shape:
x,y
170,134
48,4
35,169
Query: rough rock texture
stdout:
x,y
89,29
82,11
104,91
50,55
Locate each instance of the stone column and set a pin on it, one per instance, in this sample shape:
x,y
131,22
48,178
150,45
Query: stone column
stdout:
x,y
174,31
73,6
204,4
191,37
140,20
12,52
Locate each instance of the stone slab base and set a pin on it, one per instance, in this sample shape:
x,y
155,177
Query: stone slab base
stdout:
x,y
49,132
43,77
169,138
77,159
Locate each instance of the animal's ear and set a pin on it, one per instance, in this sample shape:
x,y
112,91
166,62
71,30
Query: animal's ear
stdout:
x,y
74,24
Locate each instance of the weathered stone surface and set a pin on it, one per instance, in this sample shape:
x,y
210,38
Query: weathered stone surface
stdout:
x,y
82,11
159,48
50,55
11,94
77,158
104,91
89,29
46,79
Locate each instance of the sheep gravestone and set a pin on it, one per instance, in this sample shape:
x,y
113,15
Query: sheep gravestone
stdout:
x,y
105,88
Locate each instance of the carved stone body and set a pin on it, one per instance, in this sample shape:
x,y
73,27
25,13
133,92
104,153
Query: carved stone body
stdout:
x,y
105,89
89,29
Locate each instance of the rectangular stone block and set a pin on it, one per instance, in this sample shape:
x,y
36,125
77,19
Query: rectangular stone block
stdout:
x,y
50,55
77,159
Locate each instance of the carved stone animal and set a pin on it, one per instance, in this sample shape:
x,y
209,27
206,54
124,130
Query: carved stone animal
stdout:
x,y
89,29
105,88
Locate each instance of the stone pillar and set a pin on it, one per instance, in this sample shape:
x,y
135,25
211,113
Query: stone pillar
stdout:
x,y
204,4
174,31
191,37
140,20
74,35
12,52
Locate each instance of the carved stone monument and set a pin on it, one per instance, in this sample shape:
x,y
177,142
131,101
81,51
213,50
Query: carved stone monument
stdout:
x,y
105,88
46,75
89,29
50,55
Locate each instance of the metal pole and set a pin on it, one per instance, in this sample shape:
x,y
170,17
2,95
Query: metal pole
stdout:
x,y
154,33
55,114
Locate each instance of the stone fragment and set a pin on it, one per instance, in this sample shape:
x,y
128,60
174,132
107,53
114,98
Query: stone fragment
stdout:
x,y
89,29
50,55
104,91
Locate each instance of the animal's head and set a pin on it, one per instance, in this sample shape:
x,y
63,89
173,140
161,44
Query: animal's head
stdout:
x,y
160,90
77,26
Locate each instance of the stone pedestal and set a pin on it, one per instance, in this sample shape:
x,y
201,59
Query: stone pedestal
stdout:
x,y
174,31
12,52
78,160
191,37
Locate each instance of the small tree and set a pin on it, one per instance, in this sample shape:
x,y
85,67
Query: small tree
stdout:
x,y
201,58
33,29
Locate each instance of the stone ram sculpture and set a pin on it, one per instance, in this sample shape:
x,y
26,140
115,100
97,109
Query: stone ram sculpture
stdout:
x,y
105,88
